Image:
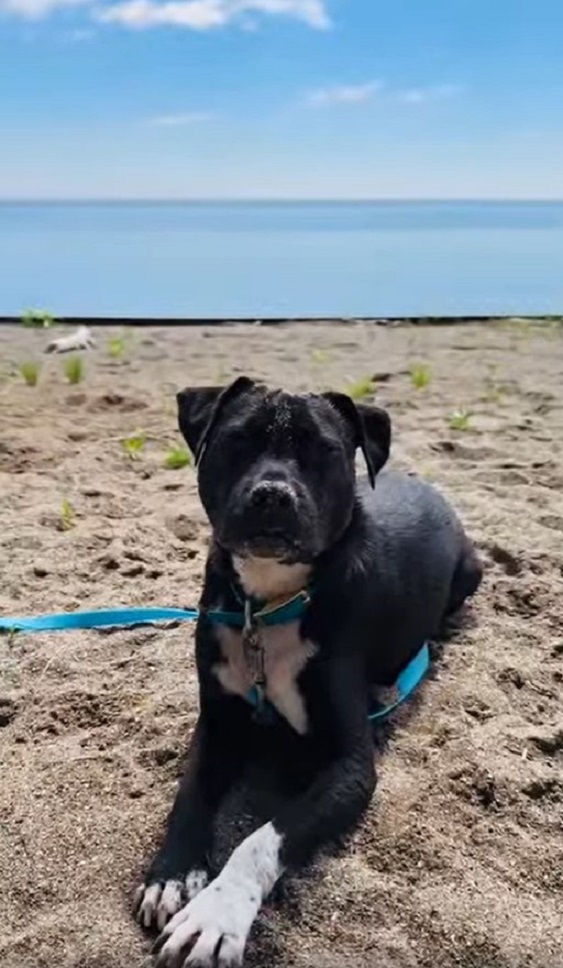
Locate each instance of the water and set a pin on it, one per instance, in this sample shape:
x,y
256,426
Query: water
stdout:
x,y
282,259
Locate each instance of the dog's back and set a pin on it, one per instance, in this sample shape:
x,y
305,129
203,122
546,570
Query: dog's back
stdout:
x,y
421,567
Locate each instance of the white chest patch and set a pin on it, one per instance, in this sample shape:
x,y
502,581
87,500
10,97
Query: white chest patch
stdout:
x,y
285,656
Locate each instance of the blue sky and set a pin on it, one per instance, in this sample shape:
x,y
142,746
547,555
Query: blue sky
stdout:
x,y
281,98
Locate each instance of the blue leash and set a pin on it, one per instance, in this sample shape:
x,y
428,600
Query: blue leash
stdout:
x,y
407,682
105,618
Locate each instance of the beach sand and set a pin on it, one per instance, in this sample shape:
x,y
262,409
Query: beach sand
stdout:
x,y
459,861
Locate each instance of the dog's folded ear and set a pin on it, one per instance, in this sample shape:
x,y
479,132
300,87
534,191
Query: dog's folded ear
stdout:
x,y
371,429
199,409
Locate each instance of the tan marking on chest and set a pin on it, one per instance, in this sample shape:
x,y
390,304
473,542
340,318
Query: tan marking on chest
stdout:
x,y
285,656
268,579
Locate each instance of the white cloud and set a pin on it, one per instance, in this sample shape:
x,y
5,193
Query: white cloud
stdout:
x,y
180,120
422,95
195,14
206,14
191,14
360,93
343,94
35,9
78,36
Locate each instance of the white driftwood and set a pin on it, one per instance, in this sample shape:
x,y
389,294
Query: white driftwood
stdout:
x,y
81,339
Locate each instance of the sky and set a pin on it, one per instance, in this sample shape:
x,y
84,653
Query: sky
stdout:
x,y
281,99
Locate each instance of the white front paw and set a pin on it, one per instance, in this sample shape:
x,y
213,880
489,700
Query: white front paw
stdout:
x,y
211,930
157,903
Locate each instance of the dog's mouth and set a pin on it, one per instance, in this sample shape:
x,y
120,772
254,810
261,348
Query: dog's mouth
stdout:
x,y
287,535
270,544
273,543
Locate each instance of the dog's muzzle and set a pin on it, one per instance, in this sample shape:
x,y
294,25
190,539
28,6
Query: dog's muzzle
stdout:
x,y
267,522
272,497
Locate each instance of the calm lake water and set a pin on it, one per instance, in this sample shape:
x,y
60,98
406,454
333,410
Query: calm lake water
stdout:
x,y
277,259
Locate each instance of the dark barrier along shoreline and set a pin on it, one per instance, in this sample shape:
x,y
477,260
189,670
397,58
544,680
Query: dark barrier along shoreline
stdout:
x,y
284,320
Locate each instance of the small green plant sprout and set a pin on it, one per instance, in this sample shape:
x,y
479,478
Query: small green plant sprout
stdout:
x,y
459,419
134,444
30,372
320,356
116,347
66,517
74,369
176,458
37,318
360,388
420,376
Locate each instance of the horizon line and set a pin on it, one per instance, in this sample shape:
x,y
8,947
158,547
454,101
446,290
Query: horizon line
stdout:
x,y
291,200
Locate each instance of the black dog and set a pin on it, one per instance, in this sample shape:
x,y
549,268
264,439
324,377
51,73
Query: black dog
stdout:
x,y
316,590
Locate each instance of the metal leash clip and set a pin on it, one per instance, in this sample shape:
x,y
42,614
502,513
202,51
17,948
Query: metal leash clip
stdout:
x,y
254,650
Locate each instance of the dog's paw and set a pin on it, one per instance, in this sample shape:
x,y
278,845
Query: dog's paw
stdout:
x,y
156,903
211,930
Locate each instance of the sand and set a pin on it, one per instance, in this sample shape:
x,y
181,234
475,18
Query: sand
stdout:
x,y
460,859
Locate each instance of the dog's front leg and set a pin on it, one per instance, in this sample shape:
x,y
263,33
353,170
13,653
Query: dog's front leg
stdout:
x,y
219,919
179,869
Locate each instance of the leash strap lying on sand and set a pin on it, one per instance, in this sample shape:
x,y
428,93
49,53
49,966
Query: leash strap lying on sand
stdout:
x,y
104,618
407,682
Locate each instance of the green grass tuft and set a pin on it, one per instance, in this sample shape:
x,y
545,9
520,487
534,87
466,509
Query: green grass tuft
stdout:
x,y
420,375
37,318
116,347
74,369
459,419
66,518
361,388
30,372
134,444
176,458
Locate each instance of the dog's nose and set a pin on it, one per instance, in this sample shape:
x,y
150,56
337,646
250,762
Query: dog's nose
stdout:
x,y
271,494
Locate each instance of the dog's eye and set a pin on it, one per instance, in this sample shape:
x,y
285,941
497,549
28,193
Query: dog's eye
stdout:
x,y
236,443
329,446
319,451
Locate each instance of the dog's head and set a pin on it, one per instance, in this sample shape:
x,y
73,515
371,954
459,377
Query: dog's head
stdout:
x,y
276,471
